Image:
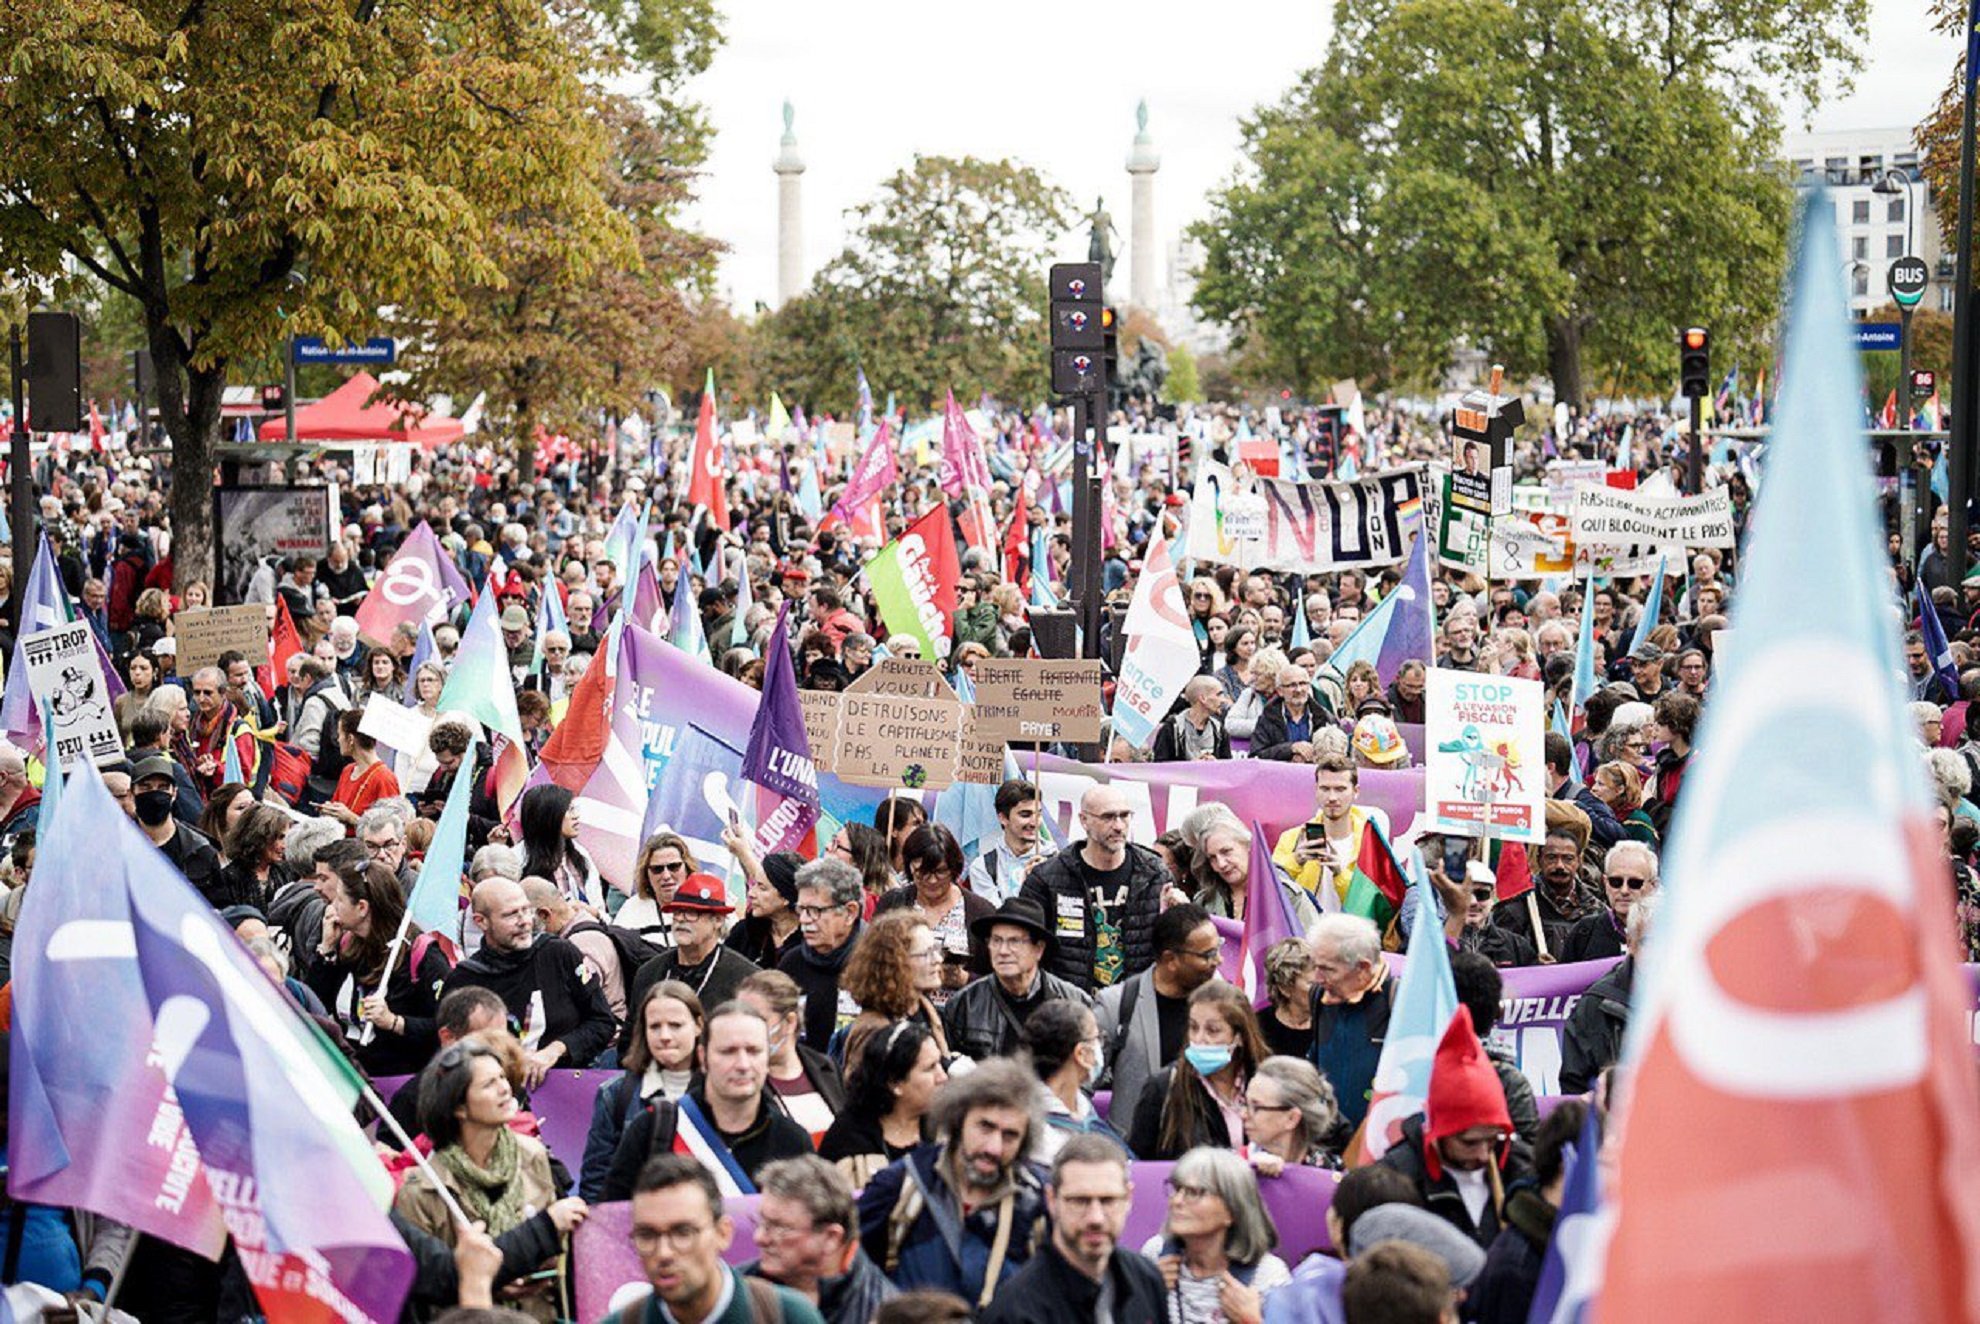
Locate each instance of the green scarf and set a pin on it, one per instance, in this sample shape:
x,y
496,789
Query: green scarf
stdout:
x,y
493,1194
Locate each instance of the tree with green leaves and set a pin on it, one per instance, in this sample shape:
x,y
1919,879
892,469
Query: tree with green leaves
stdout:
x,y
244,169
1562,185
590,318
942,284
1182,388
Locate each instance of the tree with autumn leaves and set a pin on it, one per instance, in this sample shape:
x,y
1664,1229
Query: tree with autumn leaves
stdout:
x,y
247,169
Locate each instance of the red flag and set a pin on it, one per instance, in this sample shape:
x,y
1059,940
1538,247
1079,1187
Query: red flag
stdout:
x,y
283,644
705,486
1017,540
1515,870
1887,420
96,430
572,752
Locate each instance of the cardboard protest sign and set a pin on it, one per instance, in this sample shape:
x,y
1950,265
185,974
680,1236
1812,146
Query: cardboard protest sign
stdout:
x,y
1463,535
980,761
204,635
821,724
1038,698
890,740
1611,518
906,677
67,681
1481,436
1484,746
1307,528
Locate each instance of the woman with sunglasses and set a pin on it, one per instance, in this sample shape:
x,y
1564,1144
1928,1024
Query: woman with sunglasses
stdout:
x,y
663,864
887,1098
660,1063
1290,1117
496,1176
1199,1099
1215,1247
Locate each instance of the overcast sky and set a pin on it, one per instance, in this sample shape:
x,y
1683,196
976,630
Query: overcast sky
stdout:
x,y
876,81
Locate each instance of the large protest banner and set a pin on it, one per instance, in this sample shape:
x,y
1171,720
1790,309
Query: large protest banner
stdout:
x,y
1528,544
1308,528
255,522
1484,747
67,682
1608,517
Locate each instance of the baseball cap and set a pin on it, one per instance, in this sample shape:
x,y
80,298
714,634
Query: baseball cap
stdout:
x,y
155,765
703,892
1424,1230
514,618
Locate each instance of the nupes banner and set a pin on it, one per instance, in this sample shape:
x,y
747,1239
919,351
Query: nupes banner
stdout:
x,y
1307,528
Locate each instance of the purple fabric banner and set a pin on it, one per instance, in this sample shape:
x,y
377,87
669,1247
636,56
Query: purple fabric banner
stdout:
x,y
561,1106
1275,795
1533,1013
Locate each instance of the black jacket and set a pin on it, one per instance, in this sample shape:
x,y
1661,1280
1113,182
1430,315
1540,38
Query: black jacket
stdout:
x,y
773,1136
1592,938
1058,886
982,1021
1270,738
1048,1290
714,983
1441,1196
1144,1134
413,994
436,1281
1503,1291
574,1008
817,979
850,1298
1169,744
1594,1034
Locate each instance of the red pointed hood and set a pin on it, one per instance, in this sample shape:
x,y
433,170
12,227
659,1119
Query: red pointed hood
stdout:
x,y
1464,1091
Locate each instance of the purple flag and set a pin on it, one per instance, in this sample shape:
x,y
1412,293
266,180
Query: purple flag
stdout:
x,y
266,1100
649,604
870,477
1267,918
778,757
420,583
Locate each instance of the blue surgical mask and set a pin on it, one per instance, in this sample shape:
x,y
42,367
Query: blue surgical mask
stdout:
x,y
1208,1059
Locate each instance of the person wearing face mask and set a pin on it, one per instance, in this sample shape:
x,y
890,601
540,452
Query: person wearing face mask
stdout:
x,y
1069,1054
1200,1099
153,793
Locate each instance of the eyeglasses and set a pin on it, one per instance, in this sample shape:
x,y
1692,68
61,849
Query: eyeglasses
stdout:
x,y
1008,943
1483,894
816,912
681,1237
771,1227
930,954
207,693
1212,955
1187,1192
1247,1106
1633,884
1115,816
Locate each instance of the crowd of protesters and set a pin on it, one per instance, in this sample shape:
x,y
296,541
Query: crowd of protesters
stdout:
x,y
935,1084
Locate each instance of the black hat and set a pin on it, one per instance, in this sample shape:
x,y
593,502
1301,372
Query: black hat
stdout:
x,y
1027,915
781,868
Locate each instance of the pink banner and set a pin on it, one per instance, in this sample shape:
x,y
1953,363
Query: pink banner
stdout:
x,y
561,1106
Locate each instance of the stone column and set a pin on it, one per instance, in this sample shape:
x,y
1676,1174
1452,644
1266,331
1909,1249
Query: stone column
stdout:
x,y
1142,163
790,214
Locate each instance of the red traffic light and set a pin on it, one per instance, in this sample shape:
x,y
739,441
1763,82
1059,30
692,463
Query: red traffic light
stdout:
x,y
1106,319
1695,337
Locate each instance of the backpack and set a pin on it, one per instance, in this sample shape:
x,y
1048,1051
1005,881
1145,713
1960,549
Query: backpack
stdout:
x,y
288,770
634,951
329,762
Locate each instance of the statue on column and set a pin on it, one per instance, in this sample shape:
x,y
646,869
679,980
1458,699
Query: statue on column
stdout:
x,y
1100,240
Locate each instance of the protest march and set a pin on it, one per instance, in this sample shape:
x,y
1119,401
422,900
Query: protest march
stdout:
x,y
721,871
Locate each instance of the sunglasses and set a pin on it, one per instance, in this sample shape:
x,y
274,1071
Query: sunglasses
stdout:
x,y
1633,884
1482,894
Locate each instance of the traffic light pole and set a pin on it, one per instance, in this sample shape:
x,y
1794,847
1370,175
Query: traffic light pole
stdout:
x,y
1907,466
21,481
1959,458
1694,481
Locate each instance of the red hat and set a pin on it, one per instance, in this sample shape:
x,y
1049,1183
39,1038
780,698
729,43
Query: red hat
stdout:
x,y
705,893
1464,1091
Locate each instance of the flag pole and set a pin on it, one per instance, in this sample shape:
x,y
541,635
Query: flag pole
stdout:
x,y
370,1031
391,1123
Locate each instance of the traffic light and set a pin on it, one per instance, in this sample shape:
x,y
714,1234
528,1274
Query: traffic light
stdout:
x,y
1081,328
274,399
1695,363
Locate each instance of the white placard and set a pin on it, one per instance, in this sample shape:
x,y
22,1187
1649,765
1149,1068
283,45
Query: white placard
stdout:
x,y
67,680
1485,746
394,725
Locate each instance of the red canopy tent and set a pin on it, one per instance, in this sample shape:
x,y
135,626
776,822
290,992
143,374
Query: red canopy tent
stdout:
x,y
349,414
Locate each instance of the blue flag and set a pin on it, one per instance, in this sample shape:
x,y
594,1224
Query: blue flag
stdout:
x,y
1652,609
435,902
1559,725
1584,654
1936,647
1402,627
1572,1270
51,780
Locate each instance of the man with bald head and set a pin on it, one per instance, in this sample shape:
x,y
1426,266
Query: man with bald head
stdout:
x,y
556,1005
1197,732
1100,896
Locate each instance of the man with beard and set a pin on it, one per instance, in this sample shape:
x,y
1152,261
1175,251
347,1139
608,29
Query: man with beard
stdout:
x,y
964,1213
1461,1151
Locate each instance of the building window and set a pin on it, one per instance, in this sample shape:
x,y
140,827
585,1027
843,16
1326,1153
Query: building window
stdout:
x,y
1859,212
1945,298
1893,245
1859,278
1859,248
1837,169
1895,212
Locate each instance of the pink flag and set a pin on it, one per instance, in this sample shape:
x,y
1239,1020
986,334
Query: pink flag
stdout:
x,y
421,583
1267,918
870,477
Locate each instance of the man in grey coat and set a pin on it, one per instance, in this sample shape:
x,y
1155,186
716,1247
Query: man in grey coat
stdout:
x,y
1144,1022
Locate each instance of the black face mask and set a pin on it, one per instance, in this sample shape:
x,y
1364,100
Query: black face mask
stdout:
x,y
154,807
